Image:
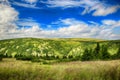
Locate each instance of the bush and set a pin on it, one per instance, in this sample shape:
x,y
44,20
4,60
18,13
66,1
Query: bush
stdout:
x,y
24,58
35,60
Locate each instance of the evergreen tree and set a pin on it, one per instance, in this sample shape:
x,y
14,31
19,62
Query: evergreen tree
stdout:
x,y
96,51
104,53
118,53
87,55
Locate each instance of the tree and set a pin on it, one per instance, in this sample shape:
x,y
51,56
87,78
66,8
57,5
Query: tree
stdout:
x,y
118,53
104,53
96,51
64,57
87,55
70,56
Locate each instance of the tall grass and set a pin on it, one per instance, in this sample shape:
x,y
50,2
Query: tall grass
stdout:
x,y
11,69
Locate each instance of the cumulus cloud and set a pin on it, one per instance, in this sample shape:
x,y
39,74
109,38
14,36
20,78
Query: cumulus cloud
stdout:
x,y
73,29
99,8
8,16
69,27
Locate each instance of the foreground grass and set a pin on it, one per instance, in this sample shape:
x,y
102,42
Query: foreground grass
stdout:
x,y
11,69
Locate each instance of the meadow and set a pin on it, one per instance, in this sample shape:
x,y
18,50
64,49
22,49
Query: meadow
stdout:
x,y
12,69
59,59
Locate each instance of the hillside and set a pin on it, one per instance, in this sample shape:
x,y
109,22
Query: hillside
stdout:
x,y
56,47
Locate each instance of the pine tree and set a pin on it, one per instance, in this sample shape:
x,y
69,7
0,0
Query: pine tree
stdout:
x,y
104,53
87,55
96,51
118,53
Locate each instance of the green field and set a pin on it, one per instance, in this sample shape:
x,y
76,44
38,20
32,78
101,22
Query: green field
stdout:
x,y
59,59
12,69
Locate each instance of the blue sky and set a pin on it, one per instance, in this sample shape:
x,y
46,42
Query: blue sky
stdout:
x,y
60,19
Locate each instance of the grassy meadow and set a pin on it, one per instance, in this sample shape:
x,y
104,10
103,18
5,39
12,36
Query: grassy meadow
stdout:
x,y
12,69
59,59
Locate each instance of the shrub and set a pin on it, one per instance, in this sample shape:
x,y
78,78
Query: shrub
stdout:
x,y
70,56
35,60
24,58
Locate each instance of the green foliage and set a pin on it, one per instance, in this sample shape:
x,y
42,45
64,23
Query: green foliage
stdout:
x,y
104,53
55,49
96,51
118,53
35,60
23,57
88,55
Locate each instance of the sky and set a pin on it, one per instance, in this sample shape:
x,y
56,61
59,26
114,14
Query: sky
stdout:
x,y
60,19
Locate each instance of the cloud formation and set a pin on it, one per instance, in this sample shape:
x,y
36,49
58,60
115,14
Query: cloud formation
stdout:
x,y
25,5
96,7
31,1
73,29
8,16
13,27
99,8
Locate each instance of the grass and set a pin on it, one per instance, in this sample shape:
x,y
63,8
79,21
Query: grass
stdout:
x,y
12,69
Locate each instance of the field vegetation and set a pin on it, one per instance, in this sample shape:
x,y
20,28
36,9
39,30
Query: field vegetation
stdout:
x,y
57,50
59,59
12,69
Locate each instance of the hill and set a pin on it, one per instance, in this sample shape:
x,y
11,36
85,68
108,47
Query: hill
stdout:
x,y
58,47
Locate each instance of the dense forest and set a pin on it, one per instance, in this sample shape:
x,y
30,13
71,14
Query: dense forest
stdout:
x,y
69,49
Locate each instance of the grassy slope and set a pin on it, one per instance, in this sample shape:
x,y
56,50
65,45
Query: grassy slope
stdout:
x,y
55,46
11,69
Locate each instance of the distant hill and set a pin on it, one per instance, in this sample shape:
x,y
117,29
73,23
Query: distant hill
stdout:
x,y
54,46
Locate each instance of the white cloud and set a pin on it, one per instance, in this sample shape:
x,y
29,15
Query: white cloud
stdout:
x,y
62,3
75,29
111,23
70,27
8,16
25,5
31,1
27,22
99,8
103,11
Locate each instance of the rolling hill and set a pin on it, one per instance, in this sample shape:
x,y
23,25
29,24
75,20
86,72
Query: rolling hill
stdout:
x,y
58,47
